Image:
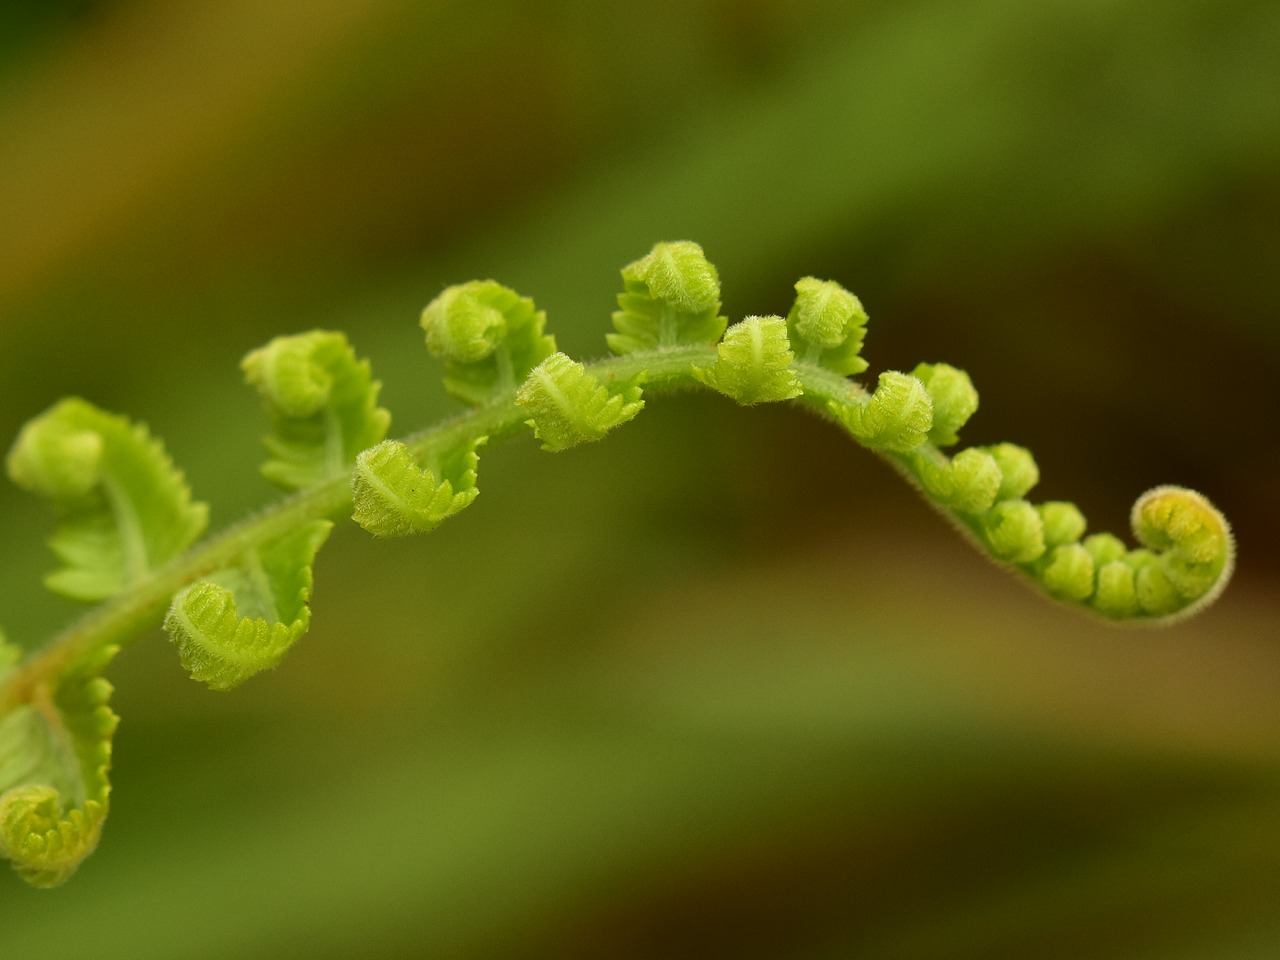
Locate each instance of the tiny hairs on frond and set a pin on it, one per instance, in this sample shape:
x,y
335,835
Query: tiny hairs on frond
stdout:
x,y
323,405
1014,531
568,406
896,418
754,363
953,397
670,297
827,325
1193,551
967,483
124,509
55,756
242,620
1063,522
489,338
1186,551
394,497
1184,560
1018,470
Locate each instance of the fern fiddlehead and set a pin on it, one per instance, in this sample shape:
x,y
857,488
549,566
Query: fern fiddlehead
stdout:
x,y
235,603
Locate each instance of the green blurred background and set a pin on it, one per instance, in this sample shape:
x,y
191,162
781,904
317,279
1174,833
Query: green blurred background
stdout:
x,y
808,721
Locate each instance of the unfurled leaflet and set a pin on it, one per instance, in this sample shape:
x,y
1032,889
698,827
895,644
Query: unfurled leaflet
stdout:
x,y
568,406
323,406
670,297
489,338
242,620
953,397
827,325
124,509
55,755
896,418
754,363
394,497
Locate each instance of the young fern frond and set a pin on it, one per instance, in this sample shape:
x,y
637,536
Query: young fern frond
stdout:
x,y
323,406
897,417
1185,567
568,406
489,338
394,497
242,620
55,751
754,363
238,601
827,326
952,397
1018,469
670,298
967,483
125,510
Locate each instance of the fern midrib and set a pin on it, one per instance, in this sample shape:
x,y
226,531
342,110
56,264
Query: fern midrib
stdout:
x,y
133,545
220,651
63,741
334,451
569,410
141,606
261,588
387,492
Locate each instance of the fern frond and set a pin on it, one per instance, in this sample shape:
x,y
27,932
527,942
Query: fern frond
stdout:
x,y
953,398
55,755
1063,523
670,298
394,497
754,363
1014,531
1193,551
827,325
1019,472
569,406
323,406
1067,572
237,602
1184,561
125,510
967,483
489,338
242,620
896,418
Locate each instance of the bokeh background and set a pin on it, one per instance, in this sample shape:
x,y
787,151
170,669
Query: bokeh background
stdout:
x,y
720,686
